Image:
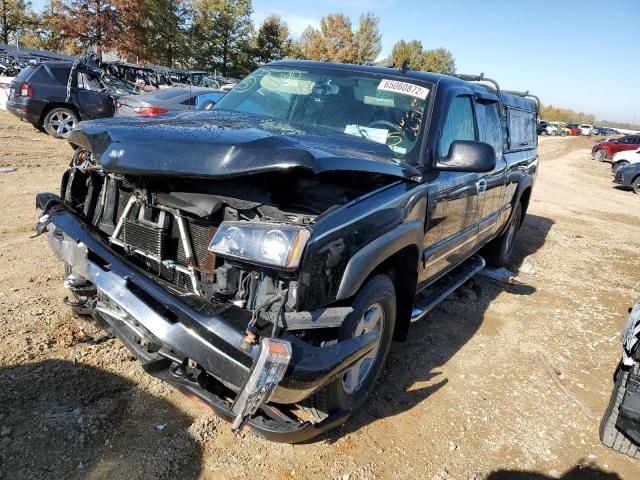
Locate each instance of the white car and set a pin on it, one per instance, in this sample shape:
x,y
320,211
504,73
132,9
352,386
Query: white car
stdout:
x,y
586,129
623,158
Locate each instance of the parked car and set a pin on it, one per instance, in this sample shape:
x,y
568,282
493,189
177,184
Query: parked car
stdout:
x,y
620,424
629,176
564,130
546,128
606,131
263,255
39,95
166,100
625,157
605,150
586,129
574,129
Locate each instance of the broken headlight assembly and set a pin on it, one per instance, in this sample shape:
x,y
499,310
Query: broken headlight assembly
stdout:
x,y
269,244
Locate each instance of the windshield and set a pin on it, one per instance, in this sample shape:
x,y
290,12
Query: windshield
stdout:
x,y
377,108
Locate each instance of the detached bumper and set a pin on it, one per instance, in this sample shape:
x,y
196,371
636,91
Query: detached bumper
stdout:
x,y
168,333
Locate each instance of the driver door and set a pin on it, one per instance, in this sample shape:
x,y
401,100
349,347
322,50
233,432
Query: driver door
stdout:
x,y
453,196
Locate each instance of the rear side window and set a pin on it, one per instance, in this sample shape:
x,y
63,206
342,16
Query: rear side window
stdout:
x,y
61,74
24,74
489,125
521,129
459,124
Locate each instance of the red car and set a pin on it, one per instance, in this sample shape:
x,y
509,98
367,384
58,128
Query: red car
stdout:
x,y
574,130
603,151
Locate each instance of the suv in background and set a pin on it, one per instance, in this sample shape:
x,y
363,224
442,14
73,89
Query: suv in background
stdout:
x,y
43,96
546,128
586,129
604,151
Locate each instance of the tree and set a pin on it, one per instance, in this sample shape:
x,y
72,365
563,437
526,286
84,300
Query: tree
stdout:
x,y
438,60
107,25
367,41
309,44
221,35
410,51
272,41
166,25
15,16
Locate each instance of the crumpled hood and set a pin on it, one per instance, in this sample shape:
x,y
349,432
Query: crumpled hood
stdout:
x,y
222,143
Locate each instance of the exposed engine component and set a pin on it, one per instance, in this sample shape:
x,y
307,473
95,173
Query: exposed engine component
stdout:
x,y
168,228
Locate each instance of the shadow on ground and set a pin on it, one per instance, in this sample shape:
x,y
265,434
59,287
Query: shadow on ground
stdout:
x,y
579,472
64,420
439,336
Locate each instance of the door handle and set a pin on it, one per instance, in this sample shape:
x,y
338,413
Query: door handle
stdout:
x,y
481,186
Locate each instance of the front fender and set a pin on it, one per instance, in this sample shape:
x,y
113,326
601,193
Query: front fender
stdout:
x,y
368,258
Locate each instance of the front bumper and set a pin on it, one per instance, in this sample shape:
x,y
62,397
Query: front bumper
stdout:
x,y
168,333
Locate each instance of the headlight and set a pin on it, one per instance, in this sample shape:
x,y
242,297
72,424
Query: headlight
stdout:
x,y
262,243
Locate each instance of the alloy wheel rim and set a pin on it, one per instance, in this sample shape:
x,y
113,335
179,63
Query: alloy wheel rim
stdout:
x,y
62,122
354,377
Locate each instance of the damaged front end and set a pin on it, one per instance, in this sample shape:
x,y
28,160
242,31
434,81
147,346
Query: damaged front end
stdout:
x,y
199,279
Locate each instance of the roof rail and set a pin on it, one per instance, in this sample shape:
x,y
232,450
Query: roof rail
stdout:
x,y
526,94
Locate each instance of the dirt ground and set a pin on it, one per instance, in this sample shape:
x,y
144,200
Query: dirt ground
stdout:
x,y
467,397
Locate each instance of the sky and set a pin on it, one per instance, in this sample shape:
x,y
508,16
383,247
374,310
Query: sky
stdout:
x,y
583,55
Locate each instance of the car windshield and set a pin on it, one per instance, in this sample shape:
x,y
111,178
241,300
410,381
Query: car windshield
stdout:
x,y
378,108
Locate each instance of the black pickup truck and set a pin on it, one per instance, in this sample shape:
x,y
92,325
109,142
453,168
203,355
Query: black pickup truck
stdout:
x,y
263,255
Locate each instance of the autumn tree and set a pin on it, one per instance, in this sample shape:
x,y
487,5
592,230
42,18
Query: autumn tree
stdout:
x,y
272,40
15,17
335,40
367,41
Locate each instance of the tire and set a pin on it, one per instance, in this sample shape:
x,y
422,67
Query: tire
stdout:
x,y
553,133
59,121
609,434
618,165
635,185
344,393
601,155
498,252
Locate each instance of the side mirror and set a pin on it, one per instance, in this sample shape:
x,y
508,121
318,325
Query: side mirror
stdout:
x,y
468,156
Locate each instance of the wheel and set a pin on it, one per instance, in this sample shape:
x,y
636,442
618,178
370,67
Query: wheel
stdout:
x,y
553,133
59,122
609,434
601,155
618,165
374,308
498,252
635,185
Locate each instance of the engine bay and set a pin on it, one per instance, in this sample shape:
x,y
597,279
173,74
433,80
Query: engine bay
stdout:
x,y
166,226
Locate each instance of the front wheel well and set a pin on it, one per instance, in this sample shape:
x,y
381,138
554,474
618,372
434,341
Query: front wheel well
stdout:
x,y
53,105
525,197
402,269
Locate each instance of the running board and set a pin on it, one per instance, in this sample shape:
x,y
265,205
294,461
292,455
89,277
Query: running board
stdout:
x,y
447,285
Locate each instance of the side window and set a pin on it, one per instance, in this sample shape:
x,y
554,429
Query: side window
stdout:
x,y
522,129
625,140
489,125
61,74
459,124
